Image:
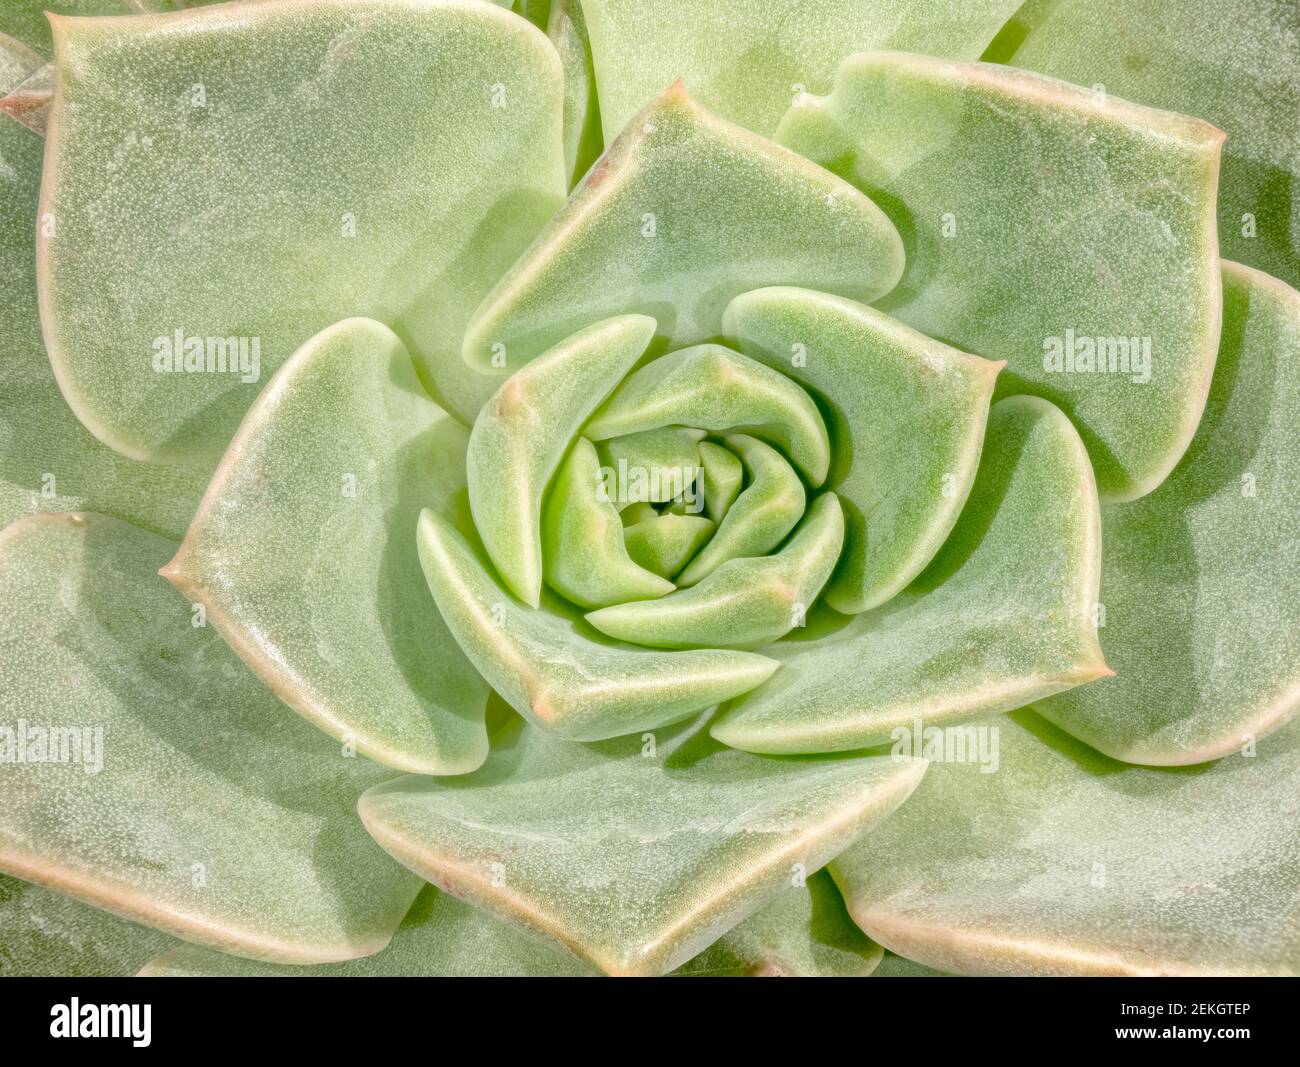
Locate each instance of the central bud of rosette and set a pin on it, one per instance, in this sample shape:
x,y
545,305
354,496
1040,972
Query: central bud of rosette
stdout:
x,y
627,504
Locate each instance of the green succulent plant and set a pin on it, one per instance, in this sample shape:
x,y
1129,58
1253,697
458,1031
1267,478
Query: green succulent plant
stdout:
x,y
726,488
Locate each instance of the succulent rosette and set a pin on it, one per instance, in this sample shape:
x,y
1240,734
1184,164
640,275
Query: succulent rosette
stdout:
x,y
723,491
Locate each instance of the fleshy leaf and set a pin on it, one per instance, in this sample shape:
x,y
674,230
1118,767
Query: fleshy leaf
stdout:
x,y
683,212
198,805
637,854
440,937
665,543
806,932
1234,63
1066,862
442,127
1001,617
723,476
745,603
893,966
48,462
656,465
1199,578
549,670
906,416
302,552
714,388
769,508
567,29
747,60
28,102
522,434
44,934
1058,228
583,553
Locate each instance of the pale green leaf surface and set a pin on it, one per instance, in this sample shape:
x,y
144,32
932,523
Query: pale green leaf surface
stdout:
x,y
440,937
1235,63
302,552
215,815
567,29
723,476
745,603
893,966
583,554
48,462
665,543
558,672
1066,862
44,934
1043,221
522,434
637,854
906,417
714,388
1201,579
1001,617
806,932
764,513
683,212
746,59
652,466
441,127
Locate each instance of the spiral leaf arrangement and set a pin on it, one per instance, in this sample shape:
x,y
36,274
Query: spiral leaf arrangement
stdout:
x,y
677,472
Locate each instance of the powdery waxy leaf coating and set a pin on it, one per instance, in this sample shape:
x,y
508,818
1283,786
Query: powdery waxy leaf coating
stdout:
x,y
745,603
303,557
1235,63
214,814
723,476
714,388
440,127
746,59
806,932
583,552
636,854
764,513
1001,617
522,434
440,937
665,543
1201,579
567,29
559,673
657,465
48,461
1063,230
1066,862
906,417
44,934
683,212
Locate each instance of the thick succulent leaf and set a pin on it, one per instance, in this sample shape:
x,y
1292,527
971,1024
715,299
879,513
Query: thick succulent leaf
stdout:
x,y
746,59
745,603
44,934
439,175
48,462
560,674
1066,862
582,540
906,416
683,212
302,552
636,854
665,543
1066,231
1001,617
1199,579
806,932
653,466
1235,63
769,508
522,434
894,966
17,62
440,937
567,29
28,19
188,799
28,101
712,387
723,476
